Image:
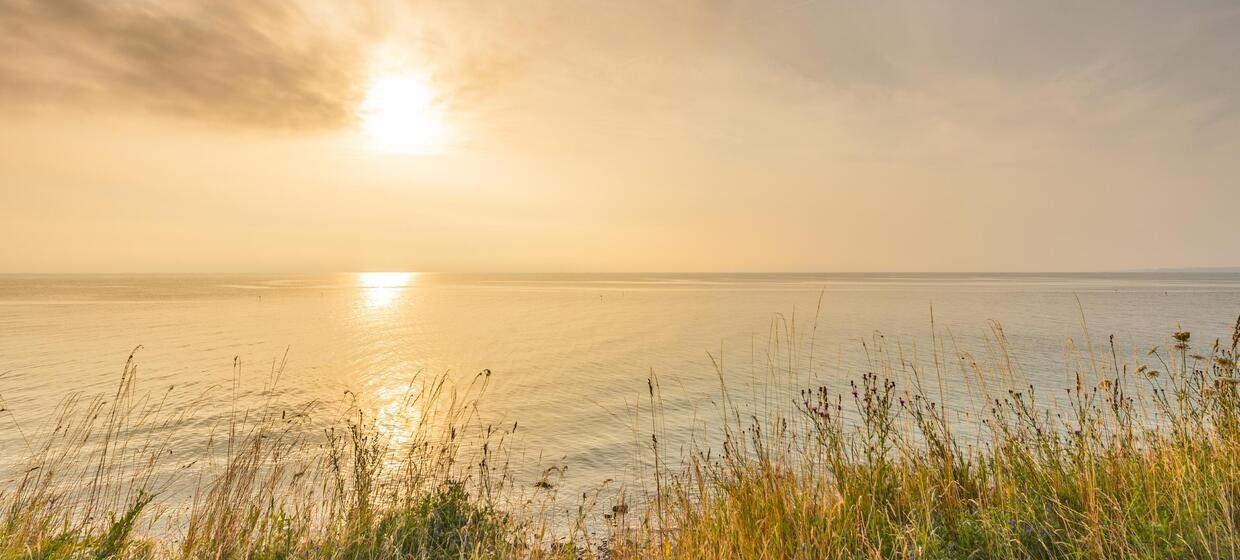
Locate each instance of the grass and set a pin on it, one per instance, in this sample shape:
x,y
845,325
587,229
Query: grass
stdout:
x,y
1135,458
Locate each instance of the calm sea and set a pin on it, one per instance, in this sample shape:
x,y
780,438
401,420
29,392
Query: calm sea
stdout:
x,y
570,355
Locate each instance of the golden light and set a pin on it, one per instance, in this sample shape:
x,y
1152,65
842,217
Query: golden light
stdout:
x,y
384,279
399,413
401,114
380,289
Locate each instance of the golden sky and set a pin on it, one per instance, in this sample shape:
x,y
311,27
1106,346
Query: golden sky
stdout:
x,y
242,135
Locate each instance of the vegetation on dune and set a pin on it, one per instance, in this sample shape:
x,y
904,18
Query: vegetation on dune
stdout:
x,y
1132,460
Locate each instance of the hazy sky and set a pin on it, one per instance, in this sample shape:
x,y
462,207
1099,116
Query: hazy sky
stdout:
x,y
231,135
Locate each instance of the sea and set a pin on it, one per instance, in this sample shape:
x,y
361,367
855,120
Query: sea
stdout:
x,y
587,365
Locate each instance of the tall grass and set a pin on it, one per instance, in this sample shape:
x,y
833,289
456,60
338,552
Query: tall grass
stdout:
x,y
1144,463
1136,458
282,490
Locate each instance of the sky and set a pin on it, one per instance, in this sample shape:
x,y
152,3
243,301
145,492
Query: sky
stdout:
x,y
727,136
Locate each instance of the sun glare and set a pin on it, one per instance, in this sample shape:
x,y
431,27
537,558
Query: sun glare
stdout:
x,y
380,289
384,279
401,115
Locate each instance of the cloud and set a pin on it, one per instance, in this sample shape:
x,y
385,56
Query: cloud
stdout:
x,y
743,72
259,63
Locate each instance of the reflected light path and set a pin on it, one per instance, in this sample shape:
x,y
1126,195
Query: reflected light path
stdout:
x,y
390,384
380,289
399,415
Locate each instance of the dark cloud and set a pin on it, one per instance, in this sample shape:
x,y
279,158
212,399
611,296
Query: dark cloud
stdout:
x,y
257,63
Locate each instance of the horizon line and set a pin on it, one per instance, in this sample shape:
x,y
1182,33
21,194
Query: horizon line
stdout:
x,y
1202,269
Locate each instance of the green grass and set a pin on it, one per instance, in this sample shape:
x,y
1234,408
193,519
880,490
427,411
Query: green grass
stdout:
x,y
1134,458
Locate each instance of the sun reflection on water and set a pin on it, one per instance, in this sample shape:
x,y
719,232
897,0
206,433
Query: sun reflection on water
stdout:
x,y
380,289
399,415
391,386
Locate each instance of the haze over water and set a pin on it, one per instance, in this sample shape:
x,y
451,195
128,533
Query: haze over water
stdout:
x,y
570,355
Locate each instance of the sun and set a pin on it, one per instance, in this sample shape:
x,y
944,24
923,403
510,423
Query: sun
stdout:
x,y
401,114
